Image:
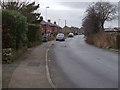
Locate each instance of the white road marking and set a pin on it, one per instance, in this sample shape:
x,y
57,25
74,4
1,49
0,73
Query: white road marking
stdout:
x,y
47,71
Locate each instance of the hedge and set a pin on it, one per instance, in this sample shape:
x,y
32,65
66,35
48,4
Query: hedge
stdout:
x,y
14,34
34,35
14,26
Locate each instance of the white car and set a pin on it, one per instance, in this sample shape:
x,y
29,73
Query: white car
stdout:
x,y
70,35
60,37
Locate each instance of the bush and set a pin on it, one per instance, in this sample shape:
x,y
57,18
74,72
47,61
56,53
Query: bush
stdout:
x,y
34,35
105,40
7,55
14,27
14,34
118,40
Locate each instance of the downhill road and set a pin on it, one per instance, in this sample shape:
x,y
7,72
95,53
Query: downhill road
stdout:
x,y
85,65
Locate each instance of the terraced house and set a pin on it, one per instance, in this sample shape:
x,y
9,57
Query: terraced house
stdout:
x,y
49,27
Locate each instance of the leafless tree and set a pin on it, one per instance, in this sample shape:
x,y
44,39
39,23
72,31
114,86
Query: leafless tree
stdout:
x,y
106,11
91,22
97,14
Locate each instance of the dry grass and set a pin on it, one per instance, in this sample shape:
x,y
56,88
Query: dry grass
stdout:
x,y
105,40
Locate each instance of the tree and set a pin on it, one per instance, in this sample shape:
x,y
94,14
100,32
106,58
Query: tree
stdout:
x,y
97,14
91,22
14,29
25,8
106,12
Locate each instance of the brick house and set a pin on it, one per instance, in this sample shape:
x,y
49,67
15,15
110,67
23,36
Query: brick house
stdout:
x,y
49,28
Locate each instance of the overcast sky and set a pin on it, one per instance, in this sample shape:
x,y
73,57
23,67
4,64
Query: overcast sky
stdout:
x,y
73,11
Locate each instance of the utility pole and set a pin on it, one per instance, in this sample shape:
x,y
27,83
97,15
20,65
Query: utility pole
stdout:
x,y
59,21
65,23
65,27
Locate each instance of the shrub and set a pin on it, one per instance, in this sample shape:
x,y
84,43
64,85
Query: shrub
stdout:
x,y
105,40
118,40
14,34
7,55
34,35
14,28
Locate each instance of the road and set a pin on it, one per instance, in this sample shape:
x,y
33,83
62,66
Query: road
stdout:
x,y
85,65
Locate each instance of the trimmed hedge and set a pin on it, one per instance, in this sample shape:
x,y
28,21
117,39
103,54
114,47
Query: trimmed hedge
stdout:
x,y
14,27
34,35
17,35
14,34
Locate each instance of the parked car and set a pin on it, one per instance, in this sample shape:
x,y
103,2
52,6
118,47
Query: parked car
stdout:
x,y
45,38
60,37
70,35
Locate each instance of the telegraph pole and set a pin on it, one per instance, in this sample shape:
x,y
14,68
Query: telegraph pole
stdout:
x,y
65,23
59,21
65,27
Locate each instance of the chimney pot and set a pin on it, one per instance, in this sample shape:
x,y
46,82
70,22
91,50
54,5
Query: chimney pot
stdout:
x,y
49,20
41,18
54,22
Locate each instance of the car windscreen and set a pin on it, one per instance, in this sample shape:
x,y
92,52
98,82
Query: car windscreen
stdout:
x,y
60,35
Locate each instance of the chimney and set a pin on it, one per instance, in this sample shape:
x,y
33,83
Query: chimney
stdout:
x,y
49,20
41,18
54,22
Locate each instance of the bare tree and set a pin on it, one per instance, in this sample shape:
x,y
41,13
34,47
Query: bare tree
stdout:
x,y
106,12
97,14
91,22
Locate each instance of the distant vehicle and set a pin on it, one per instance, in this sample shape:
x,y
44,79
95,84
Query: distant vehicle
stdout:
x,y
70,35
80,33
76,33
45,38
60,37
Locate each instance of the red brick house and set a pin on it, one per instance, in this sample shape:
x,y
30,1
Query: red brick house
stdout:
x,y
49,28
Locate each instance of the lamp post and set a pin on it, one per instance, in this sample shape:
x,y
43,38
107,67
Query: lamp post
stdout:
x,y
46,19
46,24
46,11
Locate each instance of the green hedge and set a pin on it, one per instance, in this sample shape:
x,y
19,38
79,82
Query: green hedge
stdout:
x,y
14,34
34,35
14,26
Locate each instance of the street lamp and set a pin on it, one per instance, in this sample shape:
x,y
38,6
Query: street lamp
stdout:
x,y
46,12
46,24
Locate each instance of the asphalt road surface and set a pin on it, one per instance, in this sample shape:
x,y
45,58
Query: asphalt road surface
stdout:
x,y
85,65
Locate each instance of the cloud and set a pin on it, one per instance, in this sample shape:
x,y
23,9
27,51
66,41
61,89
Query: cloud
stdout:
x,y
73,12
76,5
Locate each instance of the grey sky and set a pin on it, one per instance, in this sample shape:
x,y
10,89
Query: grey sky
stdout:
x,y
72,12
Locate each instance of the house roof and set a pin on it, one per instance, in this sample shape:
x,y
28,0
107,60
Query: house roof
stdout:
x,y
112,29
43,22
49,24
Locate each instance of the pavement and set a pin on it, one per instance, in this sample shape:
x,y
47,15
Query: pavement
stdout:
x,y
28,71
84,65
